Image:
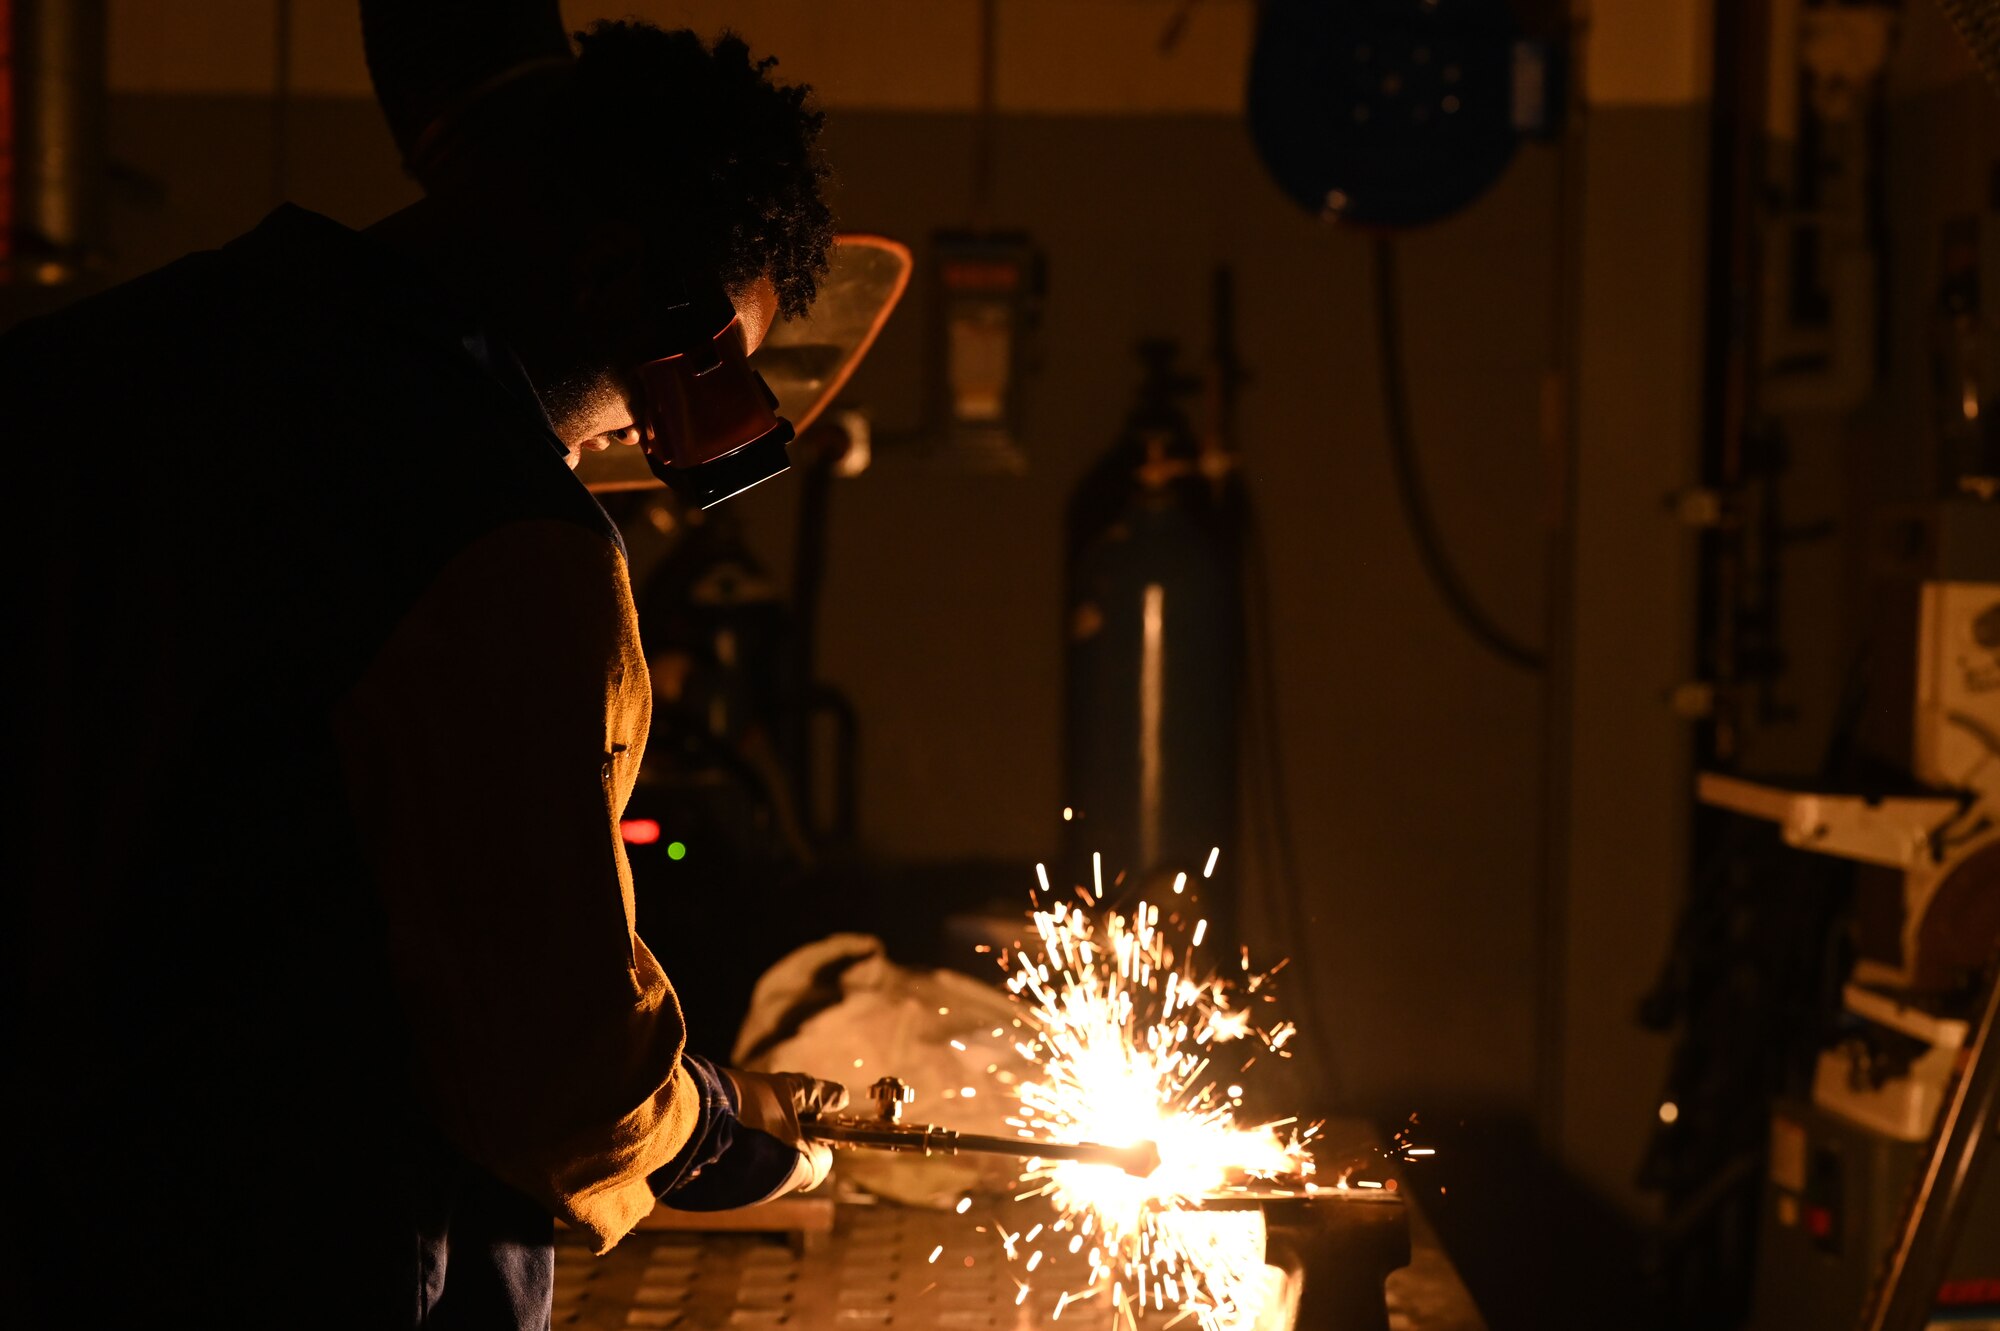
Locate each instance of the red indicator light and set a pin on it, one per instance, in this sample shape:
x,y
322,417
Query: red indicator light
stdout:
x,y
1979,1289
639,831
1819,1222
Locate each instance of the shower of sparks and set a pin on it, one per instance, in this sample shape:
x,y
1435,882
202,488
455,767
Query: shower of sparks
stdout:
x,y
1125,1026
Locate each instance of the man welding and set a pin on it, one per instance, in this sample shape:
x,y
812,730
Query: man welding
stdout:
x,y
324,988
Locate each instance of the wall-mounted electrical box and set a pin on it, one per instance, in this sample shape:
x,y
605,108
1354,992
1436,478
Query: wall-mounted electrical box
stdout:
x,y
988,303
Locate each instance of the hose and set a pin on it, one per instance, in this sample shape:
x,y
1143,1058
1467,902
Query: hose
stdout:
x,y
1437,562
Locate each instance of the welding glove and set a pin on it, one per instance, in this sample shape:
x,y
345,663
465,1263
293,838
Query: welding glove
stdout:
x,y
759,1151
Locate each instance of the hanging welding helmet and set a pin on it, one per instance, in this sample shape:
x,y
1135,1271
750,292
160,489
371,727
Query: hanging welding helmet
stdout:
x,y
708,423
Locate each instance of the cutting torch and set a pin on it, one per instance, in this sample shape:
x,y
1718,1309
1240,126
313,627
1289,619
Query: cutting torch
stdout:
x,y
886,1130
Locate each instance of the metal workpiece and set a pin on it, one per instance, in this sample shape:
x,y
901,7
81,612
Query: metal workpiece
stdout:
x,y
1337,1246
1340,1247
885,1130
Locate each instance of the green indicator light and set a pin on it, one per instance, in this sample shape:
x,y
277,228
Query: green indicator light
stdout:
x,y
677,850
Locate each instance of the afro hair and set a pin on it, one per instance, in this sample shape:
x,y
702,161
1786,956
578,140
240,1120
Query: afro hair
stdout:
x,y
729,157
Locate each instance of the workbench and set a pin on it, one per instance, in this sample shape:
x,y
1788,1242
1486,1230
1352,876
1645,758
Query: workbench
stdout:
x,y
857,1264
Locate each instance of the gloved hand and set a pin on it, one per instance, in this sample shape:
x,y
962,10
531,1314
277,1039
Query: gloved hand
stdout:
x,y
766,1154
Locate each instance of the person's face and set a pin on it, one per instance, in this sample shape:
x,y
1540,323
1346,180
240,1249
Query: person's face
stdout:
x,y
595,408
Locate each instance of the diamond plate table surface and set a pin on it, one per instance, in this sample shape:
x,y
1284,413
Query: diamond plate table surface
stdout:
x,y
883,1266
875,1270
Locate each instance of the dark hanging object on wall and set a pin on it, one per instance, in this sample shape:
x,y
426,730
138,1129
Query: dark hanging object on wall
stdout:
x,y
1978,22
1393,112
1155,644
51,139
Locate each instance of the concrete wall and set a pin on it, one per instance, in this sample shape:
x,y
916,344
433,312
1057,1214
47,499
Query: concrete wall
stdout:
x,y
1622,780
1054,56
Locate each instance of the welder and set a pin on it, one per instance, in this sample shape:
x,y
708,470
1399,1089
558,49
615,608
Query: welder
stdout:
x,y
325,994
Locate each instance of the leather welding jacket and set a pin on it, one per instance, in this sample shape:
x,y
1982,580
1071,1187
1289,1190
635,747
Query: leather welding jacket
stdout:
x,y
324,990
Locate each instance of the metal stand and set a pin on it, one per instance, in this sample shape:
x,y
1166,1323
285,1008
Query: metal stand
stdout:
x,y
1943,1189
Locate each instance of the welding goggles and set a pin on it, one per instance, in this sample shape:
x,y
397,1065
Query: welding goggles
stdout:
x,y
708,423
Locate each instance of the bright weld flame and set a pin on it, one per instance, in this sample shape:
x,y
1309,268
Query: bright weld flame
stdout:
x,y
1122,1024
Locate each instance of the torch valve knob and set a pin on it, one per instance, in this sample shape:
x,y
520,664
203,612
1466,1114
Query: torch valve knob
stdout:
x,y
890,1094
